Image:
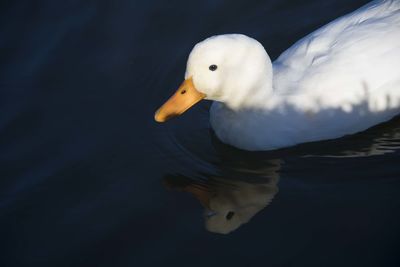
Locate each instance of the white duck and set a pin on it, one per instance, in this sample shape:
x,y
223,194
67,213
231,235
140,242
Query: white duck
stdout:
x,y
339,80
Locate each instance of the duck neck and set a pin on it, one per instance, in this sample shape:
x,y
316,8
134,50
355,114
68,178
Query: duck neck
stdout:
x,y
256,96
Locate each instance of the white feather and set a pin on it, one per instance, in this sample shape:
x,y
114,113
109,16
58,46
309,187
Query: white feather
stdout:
x,y
339,80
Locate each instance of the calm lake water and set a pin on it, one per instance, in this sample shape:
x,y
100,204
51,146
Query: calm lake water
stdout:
x,y
87,178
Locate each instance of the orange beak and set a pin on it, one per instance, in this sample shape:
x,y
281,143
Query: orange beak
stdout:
x,y
201,193
185,97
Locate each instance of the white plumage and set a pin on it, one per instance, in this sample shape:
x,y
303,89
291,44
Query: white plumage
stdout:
x,y
339,80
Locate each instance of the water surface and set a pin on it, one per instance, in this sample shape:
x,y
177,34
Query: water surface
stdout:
x,y
89,179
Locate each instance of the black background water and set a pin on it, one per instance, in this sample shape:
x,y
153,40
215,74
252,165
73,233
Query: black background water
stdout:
x,y
83,166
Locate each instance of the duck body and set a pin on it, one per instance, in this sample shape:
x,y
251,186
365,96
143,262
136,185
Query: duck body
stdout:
x,y
339,80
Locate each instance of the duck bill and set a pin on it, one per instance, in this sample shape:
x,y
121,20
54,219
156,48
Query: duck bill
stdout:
x,y
185,97
201,193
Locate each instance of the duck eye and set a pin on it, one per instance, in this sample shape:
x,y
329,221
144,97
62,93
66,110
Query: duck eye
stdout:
x,y
212,67
229,215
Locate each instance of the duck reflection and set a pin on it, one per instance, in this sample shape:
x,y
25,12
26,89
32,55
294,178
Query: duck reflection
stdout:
x,y
237,184
231,202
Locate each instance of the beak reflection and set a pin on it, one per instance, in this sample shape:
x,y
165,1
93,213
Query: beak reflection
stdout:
x,y
229,203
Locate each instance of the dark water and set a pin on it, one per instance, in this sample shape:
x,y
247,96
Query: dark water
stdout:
x,y
89,179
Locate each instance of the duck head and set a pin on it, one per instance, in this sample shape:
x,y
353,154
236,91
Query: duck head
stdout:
x,y
233,69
